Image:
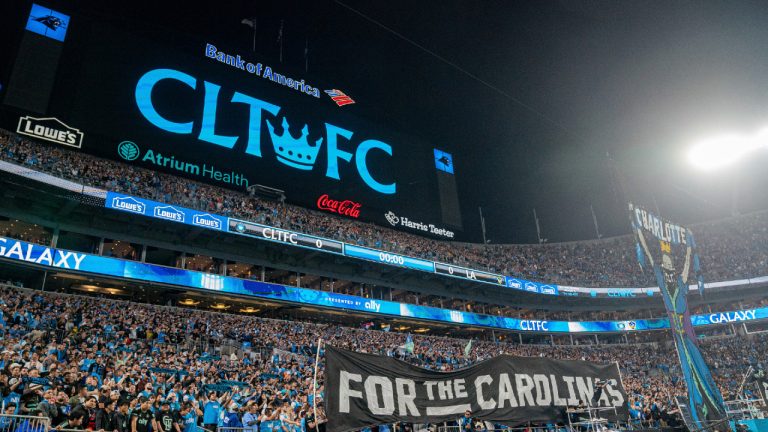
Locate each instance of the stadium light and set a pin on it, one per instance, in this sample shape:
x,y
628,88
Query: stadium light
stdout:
x,y
726,149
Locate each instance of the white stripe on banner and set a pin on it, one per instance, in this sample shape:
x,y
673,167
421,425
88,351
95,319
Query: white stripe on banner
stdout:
x,y
51,180
446,410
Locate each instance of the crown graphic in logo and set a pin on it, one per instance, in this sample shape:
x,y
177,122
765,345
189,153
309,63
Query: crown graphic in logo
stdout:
x,y
293,152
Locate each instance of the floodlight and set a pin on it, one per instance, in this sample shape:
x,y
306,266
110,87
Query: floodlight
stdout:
x,y
726,149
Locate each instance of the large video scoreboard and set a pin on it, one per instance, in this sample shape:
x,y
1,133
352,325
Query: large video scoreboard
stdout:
x,y
213,113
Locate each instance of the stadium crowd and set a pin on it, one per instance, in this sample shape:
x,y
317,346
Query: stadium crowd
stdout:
x,y
100,364
730,249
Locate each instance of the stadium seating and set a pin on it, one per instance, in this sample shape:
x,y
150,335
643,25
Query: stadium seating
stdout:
x,y
735,248
59,350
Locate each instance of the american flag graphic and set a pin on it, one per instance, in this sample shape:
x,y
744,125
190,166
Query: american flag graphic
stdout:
x,y
339,97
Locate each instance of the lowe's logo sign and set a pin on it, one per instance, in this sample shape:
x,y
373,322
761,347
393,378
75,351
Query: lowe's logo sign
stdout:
x,y
206,220
548,289
129,204
299,153
170,213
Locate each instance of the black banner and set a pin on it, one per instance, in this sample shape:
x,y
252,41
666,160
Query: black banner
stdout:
x,y
364,390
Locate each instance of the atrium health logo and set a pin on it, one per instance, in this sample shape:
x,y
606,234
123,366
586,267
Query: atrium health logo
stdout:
x,y
297,153
128,150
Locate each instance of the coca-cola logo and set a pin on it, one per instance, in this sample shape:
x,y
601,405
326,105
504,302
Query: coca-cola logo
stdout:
x,y
344,208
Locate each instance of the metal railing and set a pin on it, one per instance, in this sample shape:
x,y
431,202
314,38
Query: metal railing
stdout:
x,y
742,409
235,429
20,423
517,429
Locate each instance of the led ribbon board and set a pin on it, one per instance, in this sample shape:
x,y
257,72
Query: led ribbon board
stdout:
x,y
23,252
173,213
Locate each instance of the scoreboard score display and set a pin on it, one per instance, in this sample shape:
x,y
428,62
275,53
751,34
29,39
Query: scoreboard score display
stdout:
x,y
213,114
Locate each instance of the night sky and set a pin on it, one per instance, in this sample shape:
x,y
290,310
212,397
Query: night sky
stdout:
x,y
572,103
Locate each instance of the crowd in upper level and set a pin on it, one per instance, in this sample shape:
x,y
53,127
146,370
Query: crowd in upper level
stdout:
x,y
729,249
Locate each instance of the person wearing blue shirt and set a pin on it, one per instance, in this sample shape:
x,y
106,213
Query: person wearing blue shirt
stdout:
x,y
211,411
189,414
251,419
231,419
466,422
13,400
148,390
7,422
86,363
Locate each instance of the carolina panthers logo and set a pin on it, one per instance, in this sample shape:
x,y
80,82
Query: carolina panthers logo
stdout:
x,y
52,22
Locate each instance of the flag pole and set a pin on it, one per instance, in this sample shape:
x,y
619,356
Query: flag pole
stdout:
x,y
280,39
743,381
314,384
253,47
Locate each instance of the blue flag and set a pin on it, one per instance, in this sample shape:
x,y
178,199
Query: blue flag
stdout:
x,y
409,344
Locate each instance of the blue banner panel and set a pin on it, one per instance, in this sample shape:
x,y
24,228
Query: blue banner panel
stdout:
x,y
530,286
158,210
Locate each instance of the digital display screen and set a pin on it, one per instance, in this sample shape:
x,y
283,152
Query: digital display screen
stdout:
x,y
277,235
47,22
214,114
443,161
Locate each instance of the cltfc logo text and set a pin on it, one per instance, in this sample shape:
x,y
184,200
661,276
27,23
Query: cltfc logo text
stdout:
x,y
298,153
